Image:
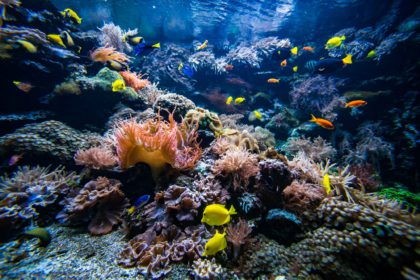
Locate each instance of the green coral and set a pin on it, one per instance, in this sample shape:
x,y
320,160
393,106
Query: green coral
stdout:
x,y
403,196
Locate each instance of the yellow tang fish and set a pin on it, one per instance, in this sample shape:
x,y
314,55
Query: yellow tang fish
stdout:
x,y
239,100
334,42
217,214
215,244
229,100
294,51
257,115
326,183
371,54
295,68
71,14
347,59
118,85
28,46
202,46
56,39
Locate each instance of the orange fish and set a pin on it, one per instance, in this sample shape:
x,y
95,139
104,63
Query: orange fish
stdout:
x,y
308,49
273,81
355,103
322,122
283,63
14,159
228,67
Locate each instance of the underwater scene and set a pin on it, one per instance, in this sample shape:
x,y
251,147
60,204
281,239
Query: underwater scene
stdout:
x,y
198,139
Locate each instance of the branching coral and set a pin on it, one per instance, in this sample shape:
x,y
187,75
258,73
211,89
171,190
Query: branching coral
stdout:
x,y
237,235
158,143
101,202
317,149
317,95
134,80
112,36
105,54
238,166
96,158
301,196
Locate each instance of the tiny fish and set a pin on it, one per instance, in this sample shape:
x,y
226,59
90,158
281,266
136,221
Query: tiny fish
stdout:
x,y
229,100
258,115
334,42
308,48
295,68
203,45
294,51
283,63
355,103
239,100
140,202
273,81
228,67
25,87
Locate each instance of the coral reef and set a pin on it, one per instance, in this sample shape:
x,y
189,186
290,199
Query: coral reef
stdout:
x,y
237,235
100,202
106,54
237,166
232,139
96,158
134,80
203,119
51,139
317,149
177,104
317,95
157,143
31,195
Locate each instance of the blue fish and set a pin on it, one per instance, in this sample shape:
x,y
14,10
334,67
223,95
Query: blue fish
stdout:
x,y
142,200
187,70
140,48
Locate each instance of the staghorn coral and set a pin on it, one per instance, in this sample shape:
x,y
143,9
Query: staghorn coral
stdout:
x,y
31,195
203,118
134,80
237,235
206,269
300,196
96,158
157,143
238,166
112,35
100,202
317,95
317,149
105,54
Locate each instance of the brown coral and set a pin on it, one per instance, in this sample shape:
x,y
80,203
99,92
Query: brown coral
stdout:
x,y
301,196
101,202
232,138
237,235
134,80
105,54
95,158
202,117
239,166
157,143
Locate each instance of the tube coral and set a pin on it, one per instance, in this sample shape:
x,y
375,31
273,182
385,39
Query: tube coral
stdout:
x,y
158,143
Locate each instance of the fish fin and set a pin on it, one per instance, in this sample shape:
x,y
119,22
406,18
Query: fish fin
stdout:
x,y
343,37
157,45
346,105
313,118
232,210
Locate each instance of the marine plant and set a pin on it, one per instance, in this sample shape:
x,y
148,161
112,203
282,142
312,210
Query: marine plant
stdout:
x,y
96,158
158,143
105,54
403,196
134,80
238,166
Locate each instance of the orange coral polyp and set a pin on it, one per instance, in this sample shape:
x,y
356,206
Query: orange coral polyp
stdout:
x,y
157,143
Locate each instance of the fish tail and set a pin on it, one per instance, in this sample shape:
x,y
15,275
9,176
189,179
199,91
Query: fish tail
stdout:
x,y
313,118
157,45
343,37
346,105
232,210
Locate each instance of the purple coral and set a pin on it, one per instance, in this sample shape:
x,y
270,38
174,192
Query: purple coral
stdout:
x,y
317,95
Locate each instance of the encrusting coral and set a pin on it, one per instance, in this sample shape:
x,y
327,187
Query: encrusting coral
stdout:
x,y
96,158
100,202
158,143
